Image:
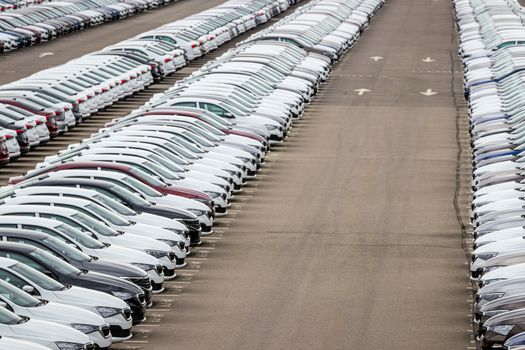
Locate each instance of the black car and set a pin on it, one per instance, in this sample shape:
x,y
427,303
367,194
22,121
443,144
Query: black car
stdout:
x,y
79,259
515,342
499,306
126,198
498,329
67,274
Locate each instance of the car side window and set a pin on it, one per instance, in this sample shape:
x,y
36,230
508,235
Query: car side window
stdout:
x,y
12,279
23,259
62,219
8,226
186,104
29,242
213,108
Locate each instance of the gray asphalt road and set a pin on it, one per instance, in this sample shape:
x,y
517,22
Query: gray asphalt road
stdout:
x,y
348,239
19,64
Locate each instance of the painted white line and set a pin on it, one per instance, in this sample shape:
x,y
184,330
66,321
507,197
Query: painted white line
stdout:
x,y
136,341
176,282
171,295
158,310
146,325
197,259
189,271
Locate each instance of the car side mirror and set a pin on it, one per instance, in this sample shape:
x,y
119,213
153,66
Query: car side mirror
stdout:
x,y
228,115
3,304
28,289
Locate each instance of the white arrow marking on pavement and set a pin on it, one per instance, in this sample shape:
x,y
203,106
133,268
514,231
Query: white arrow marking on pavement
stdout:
x,y
376,58
429,92
428,60
44,54
361,92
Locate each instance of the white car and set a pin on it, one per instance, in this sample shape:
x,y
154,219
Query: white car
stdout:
x,y
87,322
114,311
50,334
8,343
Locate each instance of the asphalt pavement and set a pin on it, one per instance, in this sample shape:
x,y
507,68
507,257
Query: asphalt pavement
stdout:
x,y
349,237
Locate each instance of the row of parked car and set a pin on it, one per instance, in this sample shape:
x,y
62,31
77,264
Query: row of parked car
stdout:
x,y
6,5
93,231
492,47
39,107
33,22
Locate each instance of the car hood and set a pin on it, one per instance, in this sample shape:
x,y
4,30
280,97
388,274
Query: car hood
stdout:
x,y
113,268
137,242
62,313
123,254
150,219
83,296
43,330
104,282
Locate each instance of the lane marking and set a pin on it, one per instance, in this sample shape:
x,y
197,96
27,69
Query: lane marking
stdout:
x,y
429,92
362,91
376,58
428,60
44,54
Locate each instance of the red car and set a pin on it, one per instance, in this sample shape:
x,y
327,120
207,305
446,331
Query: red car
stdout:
x,y
128,170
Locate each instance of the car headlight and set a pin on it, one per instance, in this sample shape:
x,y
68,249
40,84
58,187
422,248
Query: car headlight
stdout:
x,y
145,267
197,212
491,281
491,296
85,328
156,253
106,311
503,329
123,295
271,127
486,256
168,242
63,345
212,194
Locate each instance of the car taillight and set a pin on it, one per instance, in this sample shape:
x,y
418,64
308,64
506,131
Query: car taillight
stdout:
x,y
193,46
123,81
201,42
81,100
105,90
29,126
39,122
58,112
152,66
167,59
9,137
89,97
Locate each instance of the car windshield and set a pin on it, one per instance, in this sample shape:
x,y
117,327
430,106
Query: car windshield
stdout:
x,y
108,215
111,203
18,296
94,225
141,187
54,263
65,249
130,197
150,179
7,317
37,277
79,237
